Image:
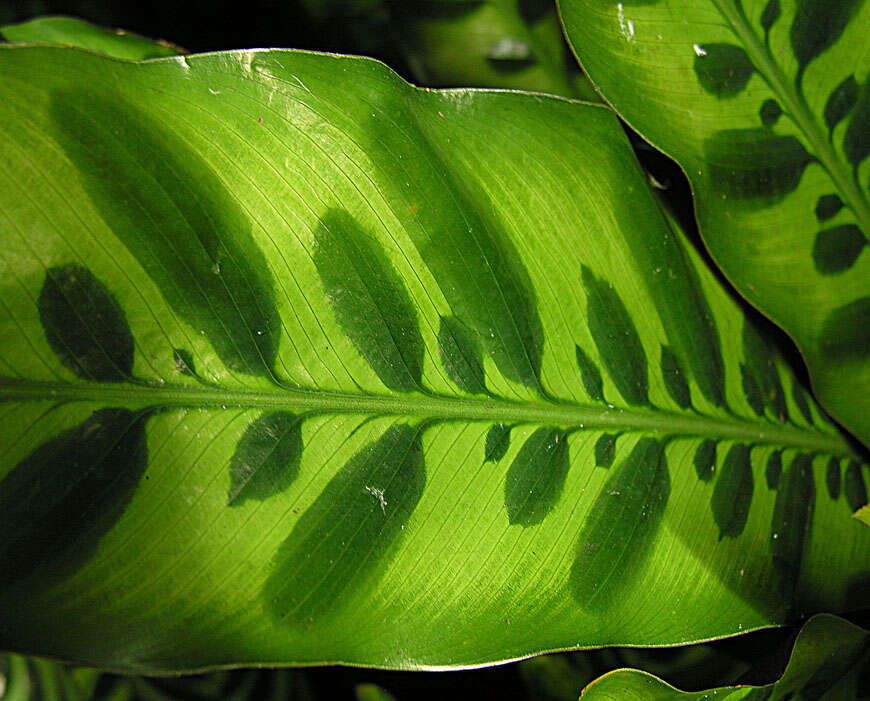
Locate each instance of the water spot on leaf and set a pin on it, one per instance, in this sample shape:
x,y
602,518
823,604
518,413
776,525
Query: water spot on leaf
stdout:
x,y
370,301
732,494
85,326
840,102
832,478
52,531
754,164
792,521
266,459
675,381
835,250
621,527
773,469
723,70
828,206
616,339
536,476
769,112
605,450
705,460
498,440
854,488
846,332
590,375
460,356
344,536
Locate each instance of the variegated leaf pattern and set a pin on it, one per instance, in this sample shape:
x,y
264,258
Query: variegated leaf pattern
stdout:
x,y
766,106
302,364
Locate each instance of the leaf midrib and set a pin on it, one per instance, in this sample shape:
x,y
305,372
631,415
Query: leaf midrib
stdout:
x,y
566,414
799,111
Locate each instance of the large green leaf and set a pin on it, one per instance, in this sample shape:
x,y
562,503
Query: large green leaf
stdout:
x,y
766,106
302,364
830,660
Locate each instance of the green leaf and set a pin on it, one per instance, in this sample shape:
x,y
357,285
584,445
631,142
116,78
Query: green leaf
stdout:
x,y
301,364
829,657
863,515
766,107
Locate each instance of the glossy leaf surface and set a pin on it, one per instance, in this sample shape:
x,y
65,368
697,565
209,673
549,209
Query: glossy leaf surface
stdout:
x,y
830,660
303,365
766,106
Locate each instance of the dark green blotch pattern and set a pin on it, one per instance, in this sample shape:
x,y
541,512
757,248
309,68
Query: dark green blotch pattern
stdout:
x,y
705,460
536,477
845,333
856,140
732,494
184,362
769,16
835,250
828,206
533,11
173,213
590,375
460,356
675,380
854,488
751,390
58,503
800,400
370,301
769,112
754,164
85,326
760,364
621,527
817,26
840,102
344,536
773,469
833,479
723,70
498,440
616,338
605,450
266,459
792,521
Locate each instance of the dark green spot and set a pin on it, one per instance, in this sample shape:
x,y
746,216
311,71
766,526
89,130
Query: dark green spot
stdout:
x,y
755,165
460,356
616,339
675,381
266,460
85,326
828,206
621,527
345,535
840,102
769,16
188,232
605,450
836,250
760,364
817,26
854,488
773,469
705,460
536,477
722,69
57,503
792,521
498,440
590,375
856,140
800,400
846,332
832,478
732,494
770,112
533,11
370,301
184,362
751,390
